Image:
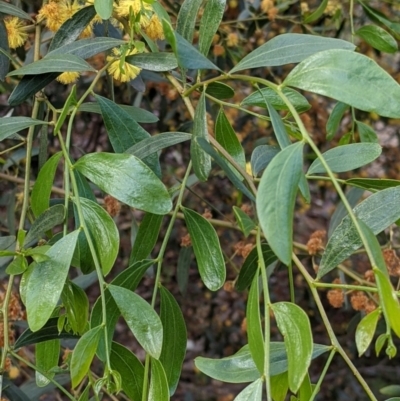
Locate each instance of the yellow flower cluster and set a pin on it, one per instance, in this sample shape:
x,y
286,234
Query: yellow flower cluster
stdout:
x,y
56,12
15,32
120,69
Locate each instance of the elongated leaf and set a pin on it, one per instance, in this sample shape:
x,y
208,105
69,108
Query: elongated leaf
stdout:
x,y
378,38
29,85
104,8
175,339
289,48
254,330
376,16
261,157
258,98
42,188
86,48
146,237
72,28
253,392
157,142
48,332
334,119
378,211
141,318
187,18
245,223
295,327
276,198
103,231
10,9
129,279
182,268
366,330
209,24
83,354
306,389
240,367
130,368
220,90
158,390
4,50
206,249
124,131
224,165
169,34
227,138
13,392
54,63
46,221
351,78
317,13
128,179
279,386
347,157
138,114
46,358
47,281
11,125
373,183
367,134
250,266
154,61
201,160
189,57
70,102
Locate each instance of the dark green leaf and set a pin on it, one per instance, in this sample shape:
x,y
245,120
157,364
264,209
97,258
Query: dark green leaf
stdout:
x,y
124,131
126,178
146,237
187,18
367,134
289,48
154,61
72,28
169,34
47,220
345,239
175,339
11,125
261,157
130,368
220,90
245,223
258,98
70,102
157,142
86,48
393,389
295,327
200,159
183,266
10,9
317,13
227,138
207,250
253,392
54,63
189,57
158,384
254,330
366,330
47,281
103,231
141,318
378,38
209,24
276,198
227,168
373,183
13,392
42,188
349,77
104,8
334,119
129,279
377,16
46,358
250,266
4,50
347,157
48,332
83,354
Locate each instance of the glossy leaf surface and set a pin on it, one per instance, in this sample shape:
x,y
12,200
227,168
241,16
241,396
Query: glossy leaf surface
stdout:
x,y
378,38
46,358
366,330
158,390
207,250
245,223
253,392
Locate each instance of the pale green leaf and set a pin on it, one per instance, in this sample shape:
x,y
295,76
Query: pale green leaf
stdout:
x,y
276,198
347,157
295,327
245,223
47,354
207,250
154,61
10,9
253,392
104,8
366,330
378,38
158,390
349,77
11,125
334,119
141,318
261,157
366,132
289,48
